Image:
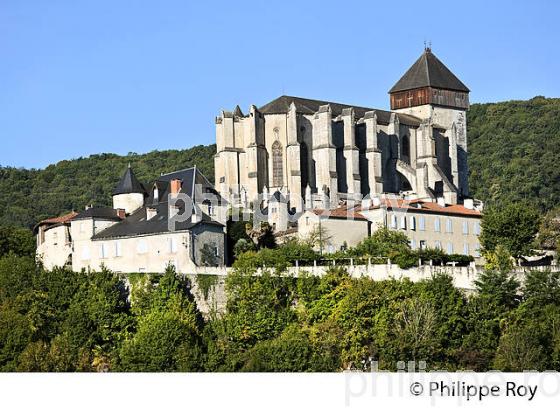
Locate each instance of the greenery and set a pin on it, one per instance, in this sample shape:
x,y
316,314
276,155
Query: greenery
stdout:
x,y
31,195
513,146
514,226
93,321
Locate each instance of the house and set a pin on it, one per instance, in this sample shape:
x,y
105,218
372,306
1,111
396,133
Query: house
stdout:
x,y
179,220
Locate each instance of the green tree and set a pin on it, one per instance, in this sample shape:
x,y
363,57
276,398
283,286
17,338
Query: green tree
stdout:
x,y
542,287
167,335
18,241
514,226
383,242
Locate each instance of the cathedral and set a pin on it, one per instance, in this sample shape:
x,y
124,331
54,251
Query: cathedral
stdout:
x,y
309,149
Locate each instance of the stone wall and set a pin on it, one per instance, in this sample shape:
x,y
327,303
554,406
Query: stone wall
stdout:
x,y
213,298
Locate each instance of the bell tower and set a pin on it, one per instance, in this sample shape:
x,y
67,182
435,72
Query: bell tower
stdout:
x,y
431,92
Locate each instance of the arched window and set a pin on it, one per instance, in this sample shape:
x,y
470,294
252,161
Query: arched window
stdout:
x,y
277,165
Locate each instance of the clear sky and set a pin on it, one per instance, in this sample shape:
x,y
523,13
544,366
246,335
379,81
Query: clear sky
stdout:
x,y
85,77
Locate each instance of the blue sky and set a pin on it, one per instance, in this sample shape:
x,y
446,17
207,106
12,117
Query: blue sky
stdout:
x,y
85,77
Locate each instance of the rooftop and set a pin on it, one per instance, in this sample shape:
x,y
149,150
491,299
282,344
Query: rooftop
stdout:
x,y
281,105
429,71
424,206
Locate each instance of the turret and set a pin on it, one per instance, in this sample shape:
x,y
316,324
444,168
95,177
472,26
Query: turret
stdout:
x,y
129,194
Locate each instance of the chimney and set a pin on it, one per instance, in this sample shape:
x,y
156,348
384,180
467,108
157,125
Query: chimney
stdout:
x,y
150,213
441,201
175,186
156,194
469,203
121,213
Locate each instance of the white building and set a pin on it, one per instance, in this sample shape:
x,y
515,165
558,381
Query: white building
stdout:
x,y
452,228
135,235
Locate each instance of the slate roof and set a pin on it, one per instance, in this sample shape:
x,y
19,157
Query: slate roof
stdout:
x,y
99,212
429,71
137,224
129,184
281,105
190,178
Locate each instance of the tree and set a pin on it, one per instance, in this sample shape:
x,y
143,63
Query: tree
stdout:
x,y
498,260
549,231
542,288
498,288
289,352
208,255
18,241
416,329
383,242
96,319
514,226
242,246
319,237
167,333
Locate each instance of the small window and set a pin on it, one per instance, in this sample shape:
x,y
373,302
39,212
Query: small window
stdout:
x,y
141,247
142,270
403,222
422,245
103,251
437,225
476,227
394,221
413,223
438,245
449,225
172,245
422,223
118,248
465,228
412,244
450,248
466,250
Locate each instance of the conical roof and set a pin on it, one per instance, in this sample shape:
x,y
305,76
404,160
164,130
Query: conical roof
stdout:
x,y
129,184
429,71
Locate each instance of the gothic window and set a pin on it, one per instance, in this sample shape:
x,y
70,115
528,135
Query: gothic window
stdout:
x,y
405,149
277,165
304,164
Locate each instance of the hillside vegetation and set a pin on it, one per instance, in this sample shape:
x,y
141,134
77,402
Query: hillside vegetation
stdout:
x,y
29,196
513,150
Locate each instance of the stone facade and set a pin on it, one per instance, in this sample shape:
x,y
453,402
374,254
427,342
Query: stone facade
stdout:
x,y
294,145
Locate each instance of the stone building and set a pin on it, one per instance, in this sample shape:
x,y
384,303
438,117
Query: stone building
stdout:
x,y
306,148
134,235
